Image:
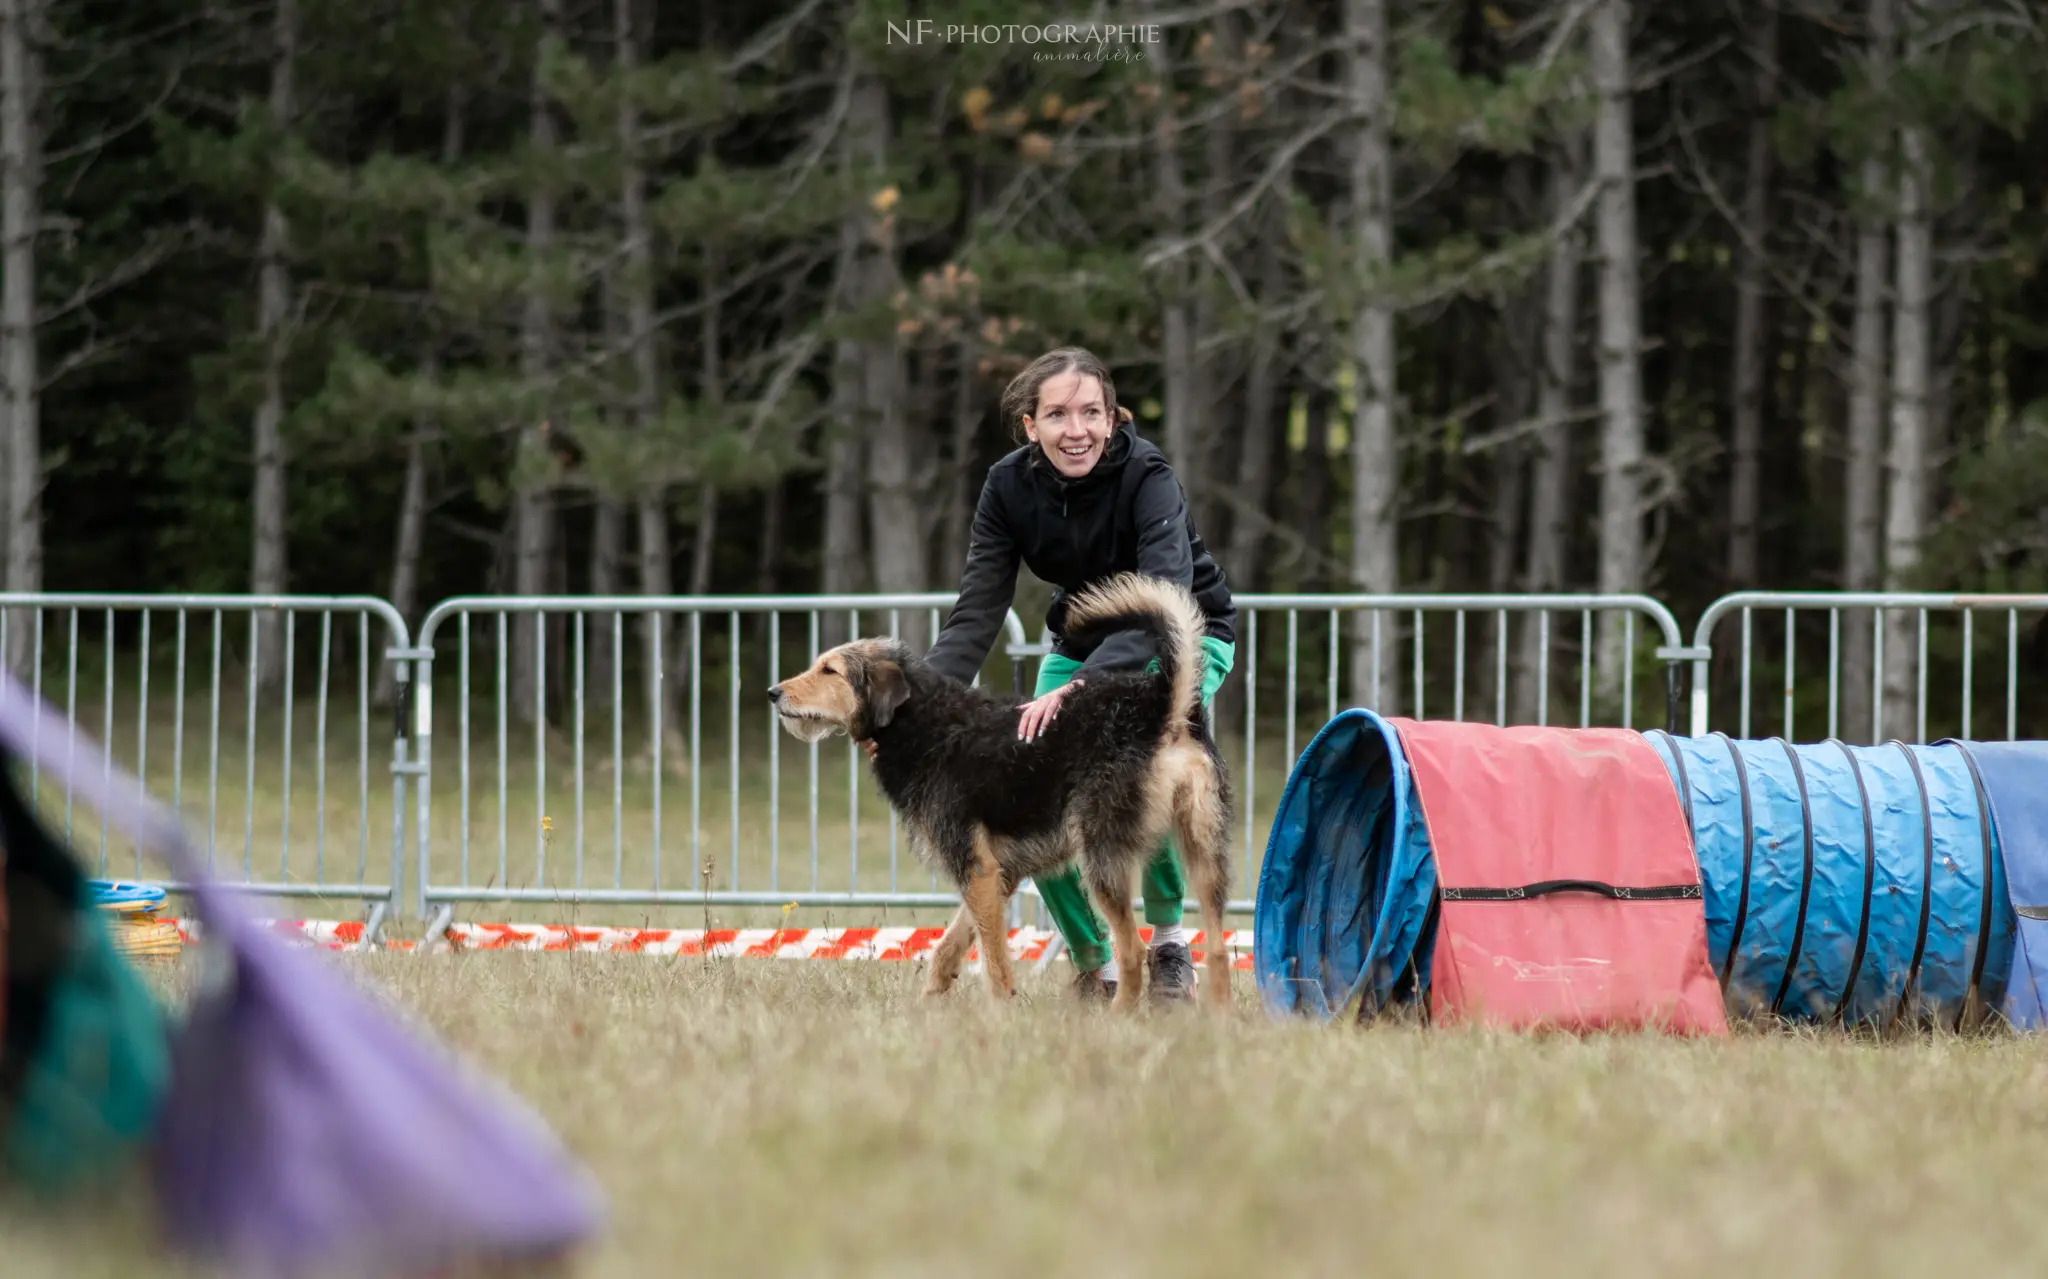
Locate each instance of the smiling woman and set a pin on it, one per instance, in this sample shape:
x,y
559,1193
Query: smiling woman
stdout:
x,y
1083,499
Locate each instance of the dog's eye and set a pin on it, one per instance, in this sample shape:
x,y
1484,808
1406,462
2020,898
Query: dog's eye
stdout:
x,y
831,671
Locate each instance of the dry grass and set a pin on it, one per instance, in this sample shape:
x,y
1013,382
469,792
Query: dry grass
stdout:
x,y
768,1117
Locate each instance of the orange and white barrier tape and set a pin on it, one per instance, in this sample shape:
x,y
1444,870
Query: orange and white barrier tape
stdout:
x,y
1027,945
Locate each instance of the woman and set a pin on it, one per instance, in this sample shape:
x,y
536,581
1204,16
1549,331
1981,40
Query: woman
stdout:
x,y
1083,498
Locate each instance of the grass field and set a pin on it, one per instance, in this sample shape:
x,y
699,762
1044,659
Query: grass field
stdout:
x,y
771,1118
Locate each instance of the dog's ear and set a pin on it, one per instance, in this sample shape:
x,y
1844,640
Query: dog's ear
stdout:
x,y
887,688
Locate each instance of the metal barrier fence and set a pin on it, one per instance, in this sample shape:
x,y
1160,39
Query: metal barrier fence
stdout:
x,y
64,644
752,863
534,837
258,713
1893,675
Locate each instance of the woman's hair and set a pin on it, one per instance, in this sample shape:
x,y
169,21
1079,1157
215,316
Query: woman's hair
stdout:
x,y
1021,396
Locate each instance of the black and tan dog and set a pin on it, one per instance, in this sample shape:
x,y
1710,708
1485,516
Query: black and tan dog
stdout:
x,y
1128,760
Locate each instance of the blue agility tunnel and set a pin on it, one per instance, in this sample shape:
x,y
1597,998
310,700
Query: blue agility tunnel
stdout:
x,y
1844,884
1347,882
1862,884
2014,777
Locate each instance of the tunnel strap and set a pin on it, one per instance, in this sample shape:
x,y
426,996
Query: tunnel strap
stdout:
x,y
1543,888
1869,881
1912,987
1748,858
1792,954
1984,897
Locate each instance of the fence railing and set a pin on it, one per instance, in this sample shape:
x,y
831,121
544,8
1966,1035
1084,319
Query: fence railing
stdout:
x,y
1874,653
742,864
547,803
122,668
619,751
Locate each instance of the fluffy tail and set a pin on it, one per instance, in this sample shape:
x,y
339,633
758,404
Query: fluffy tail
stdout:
x,y
1134,602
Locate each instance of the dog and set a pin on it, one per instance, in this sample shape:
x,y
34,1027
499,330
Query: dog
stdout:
x,y
1128,760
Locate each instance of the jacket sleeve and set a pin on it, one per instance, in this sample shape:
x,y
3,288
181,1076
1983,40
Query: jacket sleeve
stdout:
x,y
1163,552
988,586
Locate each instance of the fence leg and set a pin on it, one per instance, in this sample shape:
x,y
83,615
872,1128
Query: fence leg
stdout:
x,y
374,927
437,928
1678,684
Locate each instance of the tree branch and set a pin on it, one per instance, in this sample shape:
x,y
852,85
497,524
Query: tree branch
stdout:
x,y
1280,164
135,267
1733,218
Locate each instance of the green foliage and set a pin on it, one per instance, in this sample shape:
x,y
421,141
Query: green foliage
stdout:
x,y
1015,206
1442,113
1994,535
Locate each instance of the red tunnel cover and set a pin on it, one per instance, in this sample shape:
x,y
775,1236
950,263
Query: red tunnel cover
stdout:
x,y
1569,893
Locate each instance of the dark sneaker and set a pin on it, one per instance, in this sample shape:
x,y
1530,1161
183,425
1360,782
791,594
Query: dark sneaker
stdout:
x,y
1089,987
1173,973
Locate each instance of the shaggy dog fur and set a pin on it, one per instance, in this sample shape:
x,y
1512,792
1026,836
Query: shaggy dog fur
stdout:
x,y
1128,760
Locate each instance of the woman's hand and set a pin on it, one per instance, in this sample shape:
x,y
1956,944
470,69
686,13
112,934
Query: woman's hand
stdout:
x,y
1038,715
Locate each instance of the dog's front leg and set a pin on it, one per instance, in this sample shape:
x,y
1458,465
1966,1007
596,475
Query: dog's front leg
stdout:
x,y
951,951
986,894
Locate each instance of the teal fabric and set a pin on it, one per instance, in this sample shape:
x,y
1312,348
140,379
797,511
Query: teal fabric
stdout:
x,y
97,1080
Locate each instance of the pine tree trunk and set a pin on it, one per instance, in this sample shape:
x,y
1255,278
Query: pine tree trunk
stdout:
x,y
1519,361
845,484
770,554
667,634
533,499
1518,357
968,409
412,502
20,405
1184,427
405,554
1906,463
704,546
1311,469
1243,563
1862,535
273,318
1225,370
1551,479
607,562
1264,415
843,555
1375,454
1621,396
1750,283
667,658
895,515
711,376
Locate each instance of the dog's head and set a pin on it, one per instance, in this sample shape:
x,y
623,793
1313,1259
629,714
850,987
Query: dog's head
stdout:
x,y
853,689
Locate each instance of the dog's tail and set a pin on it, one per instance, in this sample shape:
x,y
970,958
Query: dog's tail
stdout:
x,y
1134,602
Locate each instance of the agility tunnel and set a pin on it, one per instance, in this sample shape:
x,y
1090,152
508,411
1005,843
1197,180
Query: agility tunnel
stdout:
x,y
1590,877
1853,883
1519,876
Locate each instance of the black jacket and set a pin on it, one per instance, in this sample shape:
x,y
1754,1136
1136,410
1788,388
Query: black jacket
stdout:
x,y
1128,514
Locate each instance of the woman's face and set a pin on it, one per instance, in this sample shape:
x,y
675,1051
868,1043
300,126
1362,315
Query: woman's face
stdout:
x,y
1072,424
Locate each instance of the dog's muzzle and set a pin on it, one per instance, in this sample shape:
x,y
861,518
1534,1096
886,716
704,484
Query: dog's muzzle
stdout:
x,y
802,725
